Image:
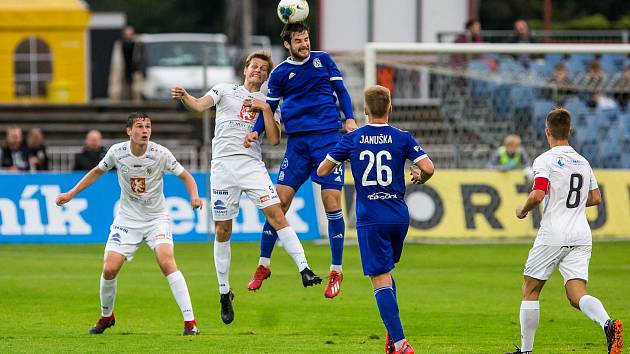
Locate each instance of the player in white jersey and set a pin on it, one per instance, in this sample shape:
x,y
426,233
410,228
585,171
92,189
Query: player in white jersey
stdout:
x,y
236,169
142,216
565,180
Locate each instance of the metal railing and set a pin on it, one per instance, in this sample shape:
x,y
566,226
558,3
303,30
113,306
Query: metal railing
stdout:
x,y
62,157
542,36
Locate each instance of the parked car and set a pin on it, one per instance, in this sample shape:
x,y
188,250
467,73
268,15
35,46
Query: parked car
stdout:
x,y
177,59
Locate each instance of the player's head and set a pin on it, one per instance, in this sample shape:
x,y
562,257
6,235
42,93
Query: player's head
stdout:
x,y
558,125
257,67
378,102
139,128
295,37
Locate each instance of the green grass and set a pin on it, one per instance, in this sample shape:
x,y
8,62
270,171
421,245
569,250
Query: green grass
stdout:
x,y
452,298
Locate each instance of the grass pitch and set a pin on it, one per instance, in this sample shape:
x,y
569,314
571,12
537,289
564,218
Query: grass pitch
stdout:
x,y
452,298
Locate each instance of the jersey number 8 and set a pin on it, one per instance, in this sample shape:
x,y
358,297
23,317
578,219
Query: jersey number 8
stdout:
x,y
381,169
575,185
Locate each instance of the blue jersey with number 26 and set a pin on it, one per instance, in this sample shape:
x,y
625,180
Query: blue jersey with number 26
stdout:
x,y
377,154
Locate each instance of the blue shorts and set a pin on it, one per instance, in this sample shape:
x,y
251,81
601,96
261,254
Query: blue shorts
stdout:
x,y
381,246
304,154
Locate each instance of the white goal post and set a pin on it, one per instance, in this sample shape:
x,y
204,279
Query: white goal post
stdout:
x,y
373,49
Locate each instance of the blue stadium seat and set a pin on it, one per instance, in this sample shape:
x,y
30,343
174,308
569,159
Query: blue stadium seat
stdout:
x,y
625,152
608,116
610,153
576,106
552,59
590,150
578,63
612,63
541,71
500,98
541,108
511,66
521,96
477,66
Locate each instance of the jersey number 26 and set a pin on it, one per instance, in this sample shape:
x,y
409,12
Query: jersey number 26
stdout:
x,y
382,170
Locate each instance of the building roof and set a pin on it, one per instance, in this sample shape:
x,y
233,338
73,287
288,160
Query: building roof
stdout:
x,y
43,14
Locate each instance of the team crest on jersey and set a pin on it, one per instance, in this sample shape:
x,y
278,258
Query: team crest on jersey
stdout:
x,y
149,170
247,115
317,63
138,185
124,169
285,163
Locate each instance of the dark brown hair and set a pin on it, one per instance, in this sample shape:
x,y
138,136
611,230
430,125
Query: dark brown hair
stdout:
x,y
377,100
559,123
290,28
133,117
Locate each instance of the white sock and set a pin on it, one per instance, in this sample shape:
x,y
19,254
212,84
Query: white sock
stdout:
x,y
336,268
399,344
108,295
222,259
530,316
180,292
293,246
593,309
264,261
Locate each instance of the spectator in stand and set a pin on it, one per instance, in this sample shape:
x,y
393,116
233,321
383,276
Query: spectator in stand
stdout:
x,y
621,88
595,78
601,101
561,83
472,34
127,67
13,155
522,35
37,156
510,156
93,152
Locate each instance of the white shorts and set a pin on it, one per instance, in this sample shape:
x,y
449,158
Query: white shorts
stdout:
x,y
572,260
230,176
126,240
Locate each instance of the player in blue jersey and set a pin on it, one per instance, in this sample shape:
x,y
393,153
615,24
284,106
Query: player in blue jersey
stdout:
x,y
377,154
307,83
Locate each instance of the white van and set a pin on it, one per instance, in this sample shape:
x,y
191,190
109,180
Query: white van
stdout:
x,y
176,59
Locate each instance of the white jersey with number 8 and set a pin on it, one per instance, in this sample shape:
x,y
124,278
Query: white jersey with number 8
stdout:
x,y
570,179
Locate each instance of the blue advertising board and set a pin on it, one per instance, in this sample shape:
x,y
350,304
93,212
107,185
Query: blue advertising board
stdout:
x,y
28,213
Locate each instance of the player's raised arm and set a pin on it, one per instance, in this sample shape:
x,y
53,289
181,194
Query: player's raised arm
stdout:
x,y
85,182
191,187
195,104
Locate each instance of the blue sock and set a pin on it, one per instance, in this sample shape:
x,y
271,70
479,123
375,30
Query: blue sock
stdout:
x,y
388,307
336,231
267,240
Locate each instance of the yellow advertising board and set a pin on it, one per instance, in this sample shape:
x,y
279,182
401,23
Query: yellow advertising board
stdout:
x,y
480,204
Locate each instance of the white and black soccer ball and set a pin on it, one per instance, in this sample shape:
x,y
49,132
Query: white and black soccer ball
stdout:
x,y
291,11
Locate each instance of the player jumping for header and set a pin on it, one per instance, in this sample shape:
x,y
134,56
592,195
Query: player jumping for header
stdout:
x,y
236,169
307,82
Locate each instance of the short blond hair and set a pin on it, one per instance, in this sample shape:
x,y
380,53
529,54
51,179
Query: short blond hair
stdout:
x,y
377,100
262,55
512,139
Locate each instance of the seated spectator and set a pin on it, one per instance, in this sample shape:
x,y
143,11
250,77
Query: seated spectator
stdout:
x,y
93,152
595,78
621,88
472,34
13,155
561,83
37,156
522,35
599,100
510,156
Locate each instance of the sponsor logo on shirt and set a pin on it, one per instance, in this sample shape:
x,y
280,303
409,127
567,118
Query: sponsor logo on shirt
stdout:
x,y
285,163
382,196
291,75
216,92
417,148
317,63
281,176
265,198
120,228
115,238
561,163
138,185
124,169
219,191
149,170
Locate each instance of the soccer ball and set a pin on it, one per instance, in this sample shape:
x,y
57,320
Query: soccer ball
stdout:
x,y
291,11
